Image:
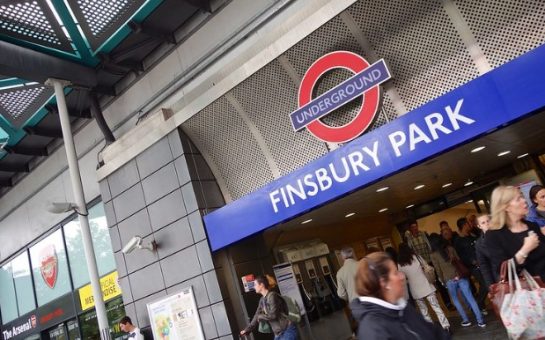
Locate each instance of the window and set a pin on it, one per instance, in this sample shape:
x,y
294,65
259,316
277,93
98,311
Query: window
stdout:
x,y
23,283
114,311
50,269
8,303
101,244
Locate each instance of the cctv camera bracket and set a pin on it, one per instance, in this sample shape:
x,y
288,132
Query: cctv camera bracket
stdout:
x,y
152,246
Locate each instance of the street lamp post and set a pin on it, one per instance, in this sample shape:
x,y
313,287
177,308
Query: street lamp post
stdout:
x,y
81,209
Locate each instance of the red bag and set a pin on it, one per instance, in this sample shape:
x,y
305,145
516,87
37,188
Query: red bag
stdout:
x,y
497,291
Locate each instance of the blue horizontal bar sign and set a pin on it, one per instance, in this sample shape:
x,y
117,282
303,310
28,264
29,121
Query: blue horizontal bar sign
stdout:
x,y
498,97
341,94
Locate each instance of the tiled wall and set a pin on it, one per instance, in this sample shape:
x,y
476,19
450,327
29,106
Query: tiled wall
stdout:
x,y
160,196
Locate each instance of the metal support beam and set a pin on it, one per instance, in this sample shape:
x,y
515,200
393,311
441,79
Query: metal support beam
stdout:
x,y
6,183
31,65
38,131
85,114
27,151
202,4
153,32
14,167
79,197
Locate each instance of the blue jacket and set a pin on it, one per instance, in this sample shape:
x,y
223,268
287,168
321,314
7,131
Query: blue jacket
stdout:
x,y
533,216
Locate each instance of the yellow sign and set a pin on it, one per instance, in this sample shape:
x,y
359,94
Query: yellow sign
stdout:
x,y
110,289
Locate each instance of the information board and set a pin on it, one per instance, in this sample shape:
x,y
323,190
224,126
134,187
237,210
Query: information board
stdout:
x,y
288,284
176,317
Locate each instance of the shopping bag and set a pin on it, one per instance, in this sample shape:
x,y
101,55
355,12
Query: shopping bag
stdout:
x,y
523,310
497,291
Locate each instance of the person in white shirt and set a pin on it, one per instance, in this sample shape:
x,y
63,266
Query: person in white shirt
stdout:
x,y
126,326
346,276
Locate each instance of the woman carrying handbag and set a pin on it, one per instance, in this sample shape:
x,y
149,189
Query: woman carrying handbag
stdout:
x,y
419,284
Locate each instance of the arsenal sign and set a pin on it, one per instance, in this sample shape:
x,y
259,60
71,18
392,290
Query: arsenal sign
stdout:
x,y
49,265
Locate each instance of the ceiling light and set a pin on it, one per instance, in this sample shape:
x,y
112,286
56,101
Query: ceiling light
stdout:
x,y
468,183
350,214
409,206
307,221
522,156
477,149
418,187
383,189
470,201
503,153
383,210
446,185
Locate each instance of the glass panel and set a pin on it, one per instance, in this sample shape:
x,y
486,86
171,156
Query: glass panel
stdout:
x,y
49,268
23,283
58,333
101,244
115,311
8,304
73,330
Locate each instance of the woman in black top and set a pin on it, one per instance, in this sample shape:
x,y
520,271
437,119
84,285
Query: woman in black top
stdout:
x,y
482,252
510,236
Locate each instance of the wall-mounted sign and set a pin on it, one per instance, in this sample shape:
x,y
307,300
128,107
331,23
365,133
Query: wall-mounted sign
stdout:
x,y
109,286
23,327
365,82
494,99
176,317
49,265
248,282
287,284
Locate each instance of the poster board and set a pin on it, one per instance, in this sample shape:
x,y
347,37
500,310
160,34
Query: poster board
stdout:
x,y
287,284
176,317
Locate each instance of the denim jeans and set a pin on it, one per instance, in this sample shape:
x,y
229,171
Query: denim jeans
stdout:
x,y
462,285
289,333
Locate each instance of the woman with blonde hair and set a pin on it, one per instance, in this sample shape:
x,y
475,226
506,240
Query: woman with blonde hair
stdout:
x,y
511,236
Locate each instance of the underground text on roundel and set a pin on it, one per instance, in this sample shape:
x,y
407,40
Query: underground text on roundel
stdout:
x,y
356,163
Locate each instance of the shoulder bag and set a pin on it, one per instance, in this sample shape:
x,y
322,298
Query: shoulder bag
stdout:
x,y
428,270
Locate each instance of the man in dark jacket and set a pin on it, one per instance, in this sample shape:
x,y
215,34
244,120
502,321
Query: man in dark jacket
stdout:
x,y
271,309
465,247
483,255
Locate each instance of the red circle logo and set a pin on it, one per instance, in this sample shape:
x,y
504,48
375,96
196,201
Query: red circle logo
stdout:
x,y
367,110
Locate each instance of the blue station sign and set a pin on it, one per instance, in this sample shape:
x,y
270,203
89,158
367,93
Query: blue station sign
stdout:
x,y
499,97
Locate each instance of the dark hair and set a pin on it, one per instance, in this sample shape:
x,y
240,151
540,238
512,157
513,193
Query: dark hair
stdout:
x,y
371,269
533,193
439,244
406,254
392,253
262,280
442,222
461,222
125,320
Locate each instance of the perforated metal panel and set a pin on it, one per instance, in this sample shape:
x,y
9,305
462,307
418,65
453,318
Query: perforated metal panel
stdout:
x,y
100,19
18,104
420,45
270,113
222,134
32,21
505,29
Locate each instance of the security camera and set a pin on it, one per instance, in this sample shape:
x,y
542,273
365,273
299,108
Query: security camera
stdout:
x,y
133,243
60,207
136,242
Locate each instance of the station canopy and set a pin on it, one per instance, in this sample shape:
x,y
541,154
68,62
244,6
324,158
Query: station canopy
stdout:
x,y
93,44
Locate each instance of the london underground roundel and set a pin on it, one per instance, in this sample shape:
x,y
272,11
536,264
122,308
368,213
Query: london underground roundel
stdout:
x,y
365,81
